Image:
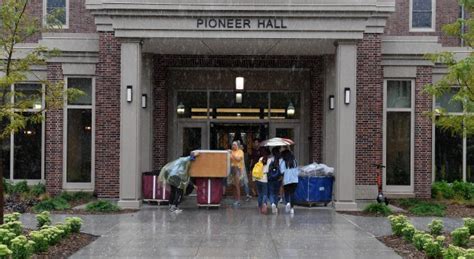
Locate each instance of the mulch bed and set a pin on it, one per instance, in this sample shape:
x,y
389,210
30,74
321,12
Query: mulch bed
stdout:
x,y
453,210
401,247
68,246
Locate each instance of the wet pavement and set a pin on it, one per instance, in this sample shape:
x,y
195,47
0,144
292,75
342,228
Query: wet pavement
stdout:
x,y
235,232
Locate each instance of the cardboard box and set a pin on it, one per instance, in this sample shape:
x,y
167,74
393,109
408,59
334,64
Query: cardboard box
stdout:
x,y
211,163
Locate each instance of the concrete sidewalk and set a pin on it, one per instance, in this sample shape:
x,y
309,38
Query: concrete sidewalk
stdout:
x,y
154,232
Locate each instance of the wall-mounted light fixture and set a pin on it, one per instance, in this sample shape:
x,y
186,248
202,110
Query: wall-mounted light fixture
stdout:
x,y
129,94
144,101
347,95
238,97
37,105
239,83
290,111
331,102
180,108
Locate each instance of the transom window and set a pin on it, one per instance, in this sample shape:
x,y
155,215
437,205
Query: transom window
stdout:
x,y
229,105
56,13
422,15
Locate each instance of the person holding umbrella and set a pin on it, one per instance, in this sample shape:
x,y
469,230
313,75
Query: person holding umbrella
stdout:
x,y
275,174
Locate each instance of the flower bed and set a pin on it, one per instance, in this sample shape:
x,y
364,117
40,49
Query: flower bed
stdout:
x,y
47,239
412,243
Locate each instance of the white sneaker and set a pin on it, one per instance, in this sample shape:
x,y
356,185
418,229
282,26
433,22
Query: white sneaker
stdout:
x,y
172,208
274,208
178,210
287,207
292,211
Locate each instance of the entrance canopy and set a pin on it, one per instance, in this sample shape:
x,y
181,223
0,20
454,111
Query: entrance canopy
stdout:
x,y
277,23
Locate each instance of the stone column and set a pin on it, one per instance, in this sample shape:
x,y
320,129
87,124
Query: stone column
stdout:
x,y
130,124
346,65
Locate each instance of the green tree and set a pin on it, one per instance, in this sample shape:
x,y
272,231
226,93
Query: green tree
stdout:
x,y
18,26
460,75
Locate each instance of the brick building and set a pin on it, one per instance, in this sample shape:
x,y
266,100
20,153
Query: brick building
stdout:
x,y
342,78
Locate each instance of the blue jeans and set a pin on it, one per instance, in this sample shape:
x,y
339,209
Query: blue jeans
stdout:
x,y
273,191
262,190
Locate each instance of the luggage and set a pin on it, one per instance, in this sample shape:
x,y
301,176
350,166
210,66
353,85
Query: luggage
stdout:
x,y
313,190
209,191
152,189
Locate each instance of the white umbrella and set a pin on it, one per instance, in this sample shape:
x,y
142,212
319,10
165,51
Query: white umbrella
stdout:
x,y
275,142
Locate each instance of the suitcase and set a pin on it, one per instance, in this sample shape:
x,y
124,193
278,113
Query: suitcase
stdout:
x,y
154,190
209,191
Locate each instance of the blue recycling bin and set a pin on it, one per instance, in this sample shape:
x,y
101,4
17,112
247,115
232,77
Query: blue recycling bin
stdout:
x,y
313,189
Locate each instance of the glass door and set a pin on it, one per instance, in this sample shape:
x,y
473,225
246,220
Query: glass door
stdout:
x,y
288,130
191,136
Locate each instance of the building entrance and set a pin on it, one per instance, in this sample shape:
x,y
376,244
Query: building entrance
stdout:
x,y
223,134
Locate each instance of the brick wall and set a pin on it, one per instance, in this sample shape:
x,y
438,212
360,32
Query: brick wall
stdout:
x,y
423,134
160,115
54,138
447,11
161,93
369,115
316,120
80,19
107,135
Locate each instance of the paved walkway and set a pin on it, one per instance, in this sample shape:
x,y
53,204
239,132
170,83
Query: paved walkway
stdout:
x,y
228,232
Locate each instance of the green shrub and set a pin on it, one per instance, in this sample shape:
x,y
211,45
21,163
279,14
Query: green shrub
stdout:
x,y
464,190
453,252
469,223
378,209
6,236
428,209
76,196
44,218
460,236
433,248
4,251
66,196
14,226
74,224
82,196
53,234
7,186
15,216
408,231
436,227
469,253
38,189
442,190
398,222
41,241
420,238
21,247
102,206
408,203
21,187
66,228
56,203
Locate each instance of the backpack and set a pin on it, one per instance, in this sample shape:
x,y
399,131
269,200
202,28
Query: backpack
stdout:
x,y
257,171
274,173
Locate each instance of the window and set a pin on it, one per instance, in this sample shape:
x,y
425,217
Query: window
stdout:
x,y
22,152
453,154
79,133
399,134
422,15
56,13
